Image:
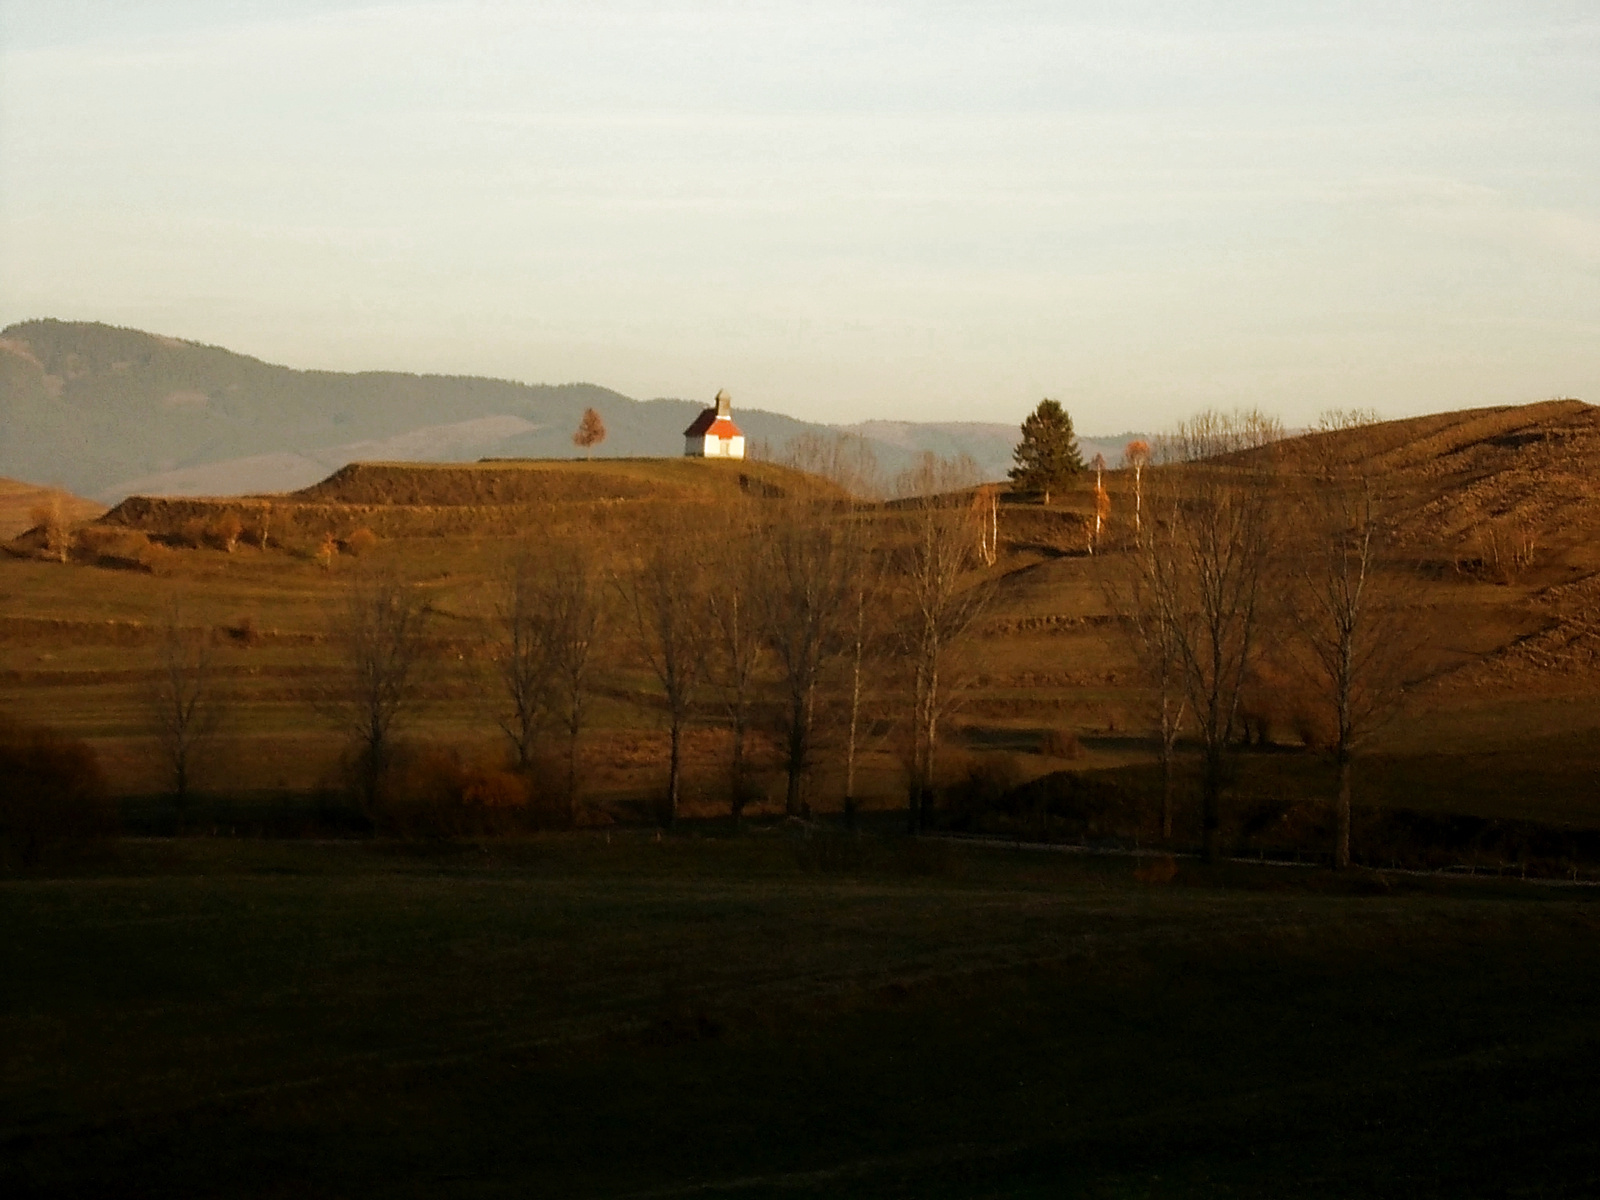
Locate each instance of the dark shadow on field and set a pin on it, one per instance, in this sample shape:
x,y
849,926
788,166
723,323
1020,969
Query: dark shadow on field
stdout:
x,y
257,814
769,1016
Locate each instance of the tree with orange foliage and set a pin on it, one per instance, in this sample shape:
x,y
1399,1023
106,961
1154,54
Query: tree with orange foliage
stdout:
x,y
50,518
1136,454
986,515
591,432
1102,501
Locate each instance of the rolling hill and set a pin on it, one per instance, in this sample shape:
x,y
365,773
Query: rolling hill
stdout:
x,y
111,412
20,501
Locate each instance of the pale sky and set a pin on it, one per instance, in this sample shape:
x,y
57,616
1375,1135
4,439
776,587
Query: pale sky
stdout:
x,y
839,211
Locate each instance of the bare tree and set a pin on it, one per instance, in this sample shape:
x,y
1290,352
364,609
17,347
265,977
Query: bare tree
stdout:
x,y
524,657
574,618
664,597
810,555
738,635
1332,420
935,580
49,516
1213,433
1204,561
1355,642
1155,645
184,704
379,632
845,459
866,641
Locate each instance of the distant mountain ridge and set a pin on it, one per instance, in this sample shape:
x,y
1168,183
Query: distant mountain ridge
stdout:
x,y
108,412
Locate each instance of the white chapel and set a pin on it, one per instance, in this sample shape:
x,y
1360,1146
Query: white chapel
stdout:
x,y
713,434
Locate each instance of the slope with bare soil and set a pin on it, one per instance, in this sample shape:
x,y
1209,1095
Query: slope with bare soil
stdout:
x,y
20,504
495,497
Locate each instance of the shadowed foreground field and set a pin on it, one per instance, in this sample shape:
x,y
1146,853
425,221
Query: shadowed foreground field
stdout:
x,y
777,1016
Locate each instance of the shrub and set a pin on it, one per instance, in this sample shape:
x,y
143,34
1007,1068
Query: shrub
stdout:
x,y
52,794
435,792
1073,805
156,558
981,786
108,546
224,531
1060,743
192,533
362,541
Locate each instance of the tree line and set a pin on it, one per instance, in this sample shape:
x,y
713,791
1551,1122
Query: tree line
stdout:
x,y
829,626
784,615
1248,553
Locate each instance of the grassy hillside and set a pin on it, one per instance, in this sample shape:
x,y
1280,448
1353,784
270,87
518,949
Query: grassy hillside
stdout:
x,y
19,502
109,412
1500,723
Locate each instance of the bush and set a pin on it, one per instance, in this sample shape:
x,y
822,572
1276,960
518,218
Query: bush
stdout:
x,y
52,794
110,546
981,786
224,531
362,541
156,558
1072,805
435,792
1060,743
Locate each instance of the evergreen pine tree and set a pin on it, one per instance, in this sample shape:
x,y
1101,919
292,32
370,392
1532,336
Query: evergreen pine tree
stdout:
x,y
1047,457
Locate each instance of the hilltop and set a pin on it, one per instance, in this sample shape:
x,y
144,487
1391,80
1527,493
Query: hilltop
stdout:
x,y
112,412
19,501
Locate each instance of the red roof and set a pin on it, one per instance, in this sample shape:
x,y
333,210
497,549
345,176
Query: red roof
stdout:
x,y
708,424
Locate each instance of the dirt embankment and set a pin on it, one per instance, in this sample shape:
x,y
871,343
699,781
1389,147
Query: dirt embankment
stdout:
x,y
473,485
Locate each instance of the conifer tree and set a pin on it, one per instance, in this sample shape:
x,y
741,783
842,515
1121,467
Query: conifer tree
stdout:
x,y
1047,457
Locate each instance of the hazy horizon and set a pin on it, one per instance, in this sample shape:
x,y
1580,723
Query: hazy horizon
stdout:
x,y
838,213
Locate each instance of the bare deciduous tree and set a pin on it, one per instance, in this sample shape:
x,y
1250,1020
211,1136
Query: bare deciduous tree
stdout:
x,y
810,556
379,632
1213,433
523,658
574,618
184,705
1355,641
738,635
935,580
664,598
50,518
1203,562
1331,420
867,641
844,459
1154,630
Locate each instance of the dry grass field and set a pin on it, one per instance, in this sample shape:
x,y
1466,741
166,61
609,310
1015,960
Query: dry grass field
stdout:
x,y
1500,721
803,1009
